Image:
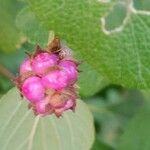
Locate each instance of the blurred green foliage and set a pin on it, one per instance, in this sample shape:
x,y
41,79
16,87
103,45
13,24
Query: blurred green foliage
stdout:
x,y
9,34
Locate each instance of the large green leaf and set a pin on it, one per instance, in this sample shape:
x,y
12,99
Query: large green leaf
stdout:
x,y
9,35
136,136
28,24
21,130
5,84
122,53
90,81
100,146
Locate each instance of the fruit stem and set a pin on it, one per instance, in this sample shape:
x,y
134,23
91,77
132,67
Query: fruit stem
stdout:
x,y
5,72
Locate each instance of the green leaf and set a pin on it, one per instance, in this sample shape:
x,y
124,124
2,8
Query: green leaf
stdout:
x,y
113,111
9,35
5,84
27,23
15,59
100,146
21,130
116,17
136,136
142,4
90,81
121,54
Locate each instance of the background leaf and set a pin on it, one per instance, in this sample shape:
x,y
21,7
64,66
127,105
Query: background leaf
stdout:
x,y
142,4
90,81
100,146
9,35
15,59
28,24
112,110
19,129
137,133
122,56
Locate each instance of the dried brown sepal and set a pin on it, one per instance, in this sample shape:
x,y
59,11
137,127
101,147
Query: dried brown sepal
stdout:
x,y
73,108
76,87
50,92
58,100
37,51
18,81
58,112
47,112
54,46
30,106
21,78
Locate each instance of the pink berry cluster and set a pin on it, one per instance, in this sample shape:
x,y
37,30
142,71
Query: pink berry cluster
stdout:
x,y
47,79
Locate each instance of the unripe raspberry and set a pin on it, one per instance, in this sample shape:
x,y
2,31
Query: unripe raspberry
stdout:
x,y
71,69
48,79
25,66
44,61
55,79
33,89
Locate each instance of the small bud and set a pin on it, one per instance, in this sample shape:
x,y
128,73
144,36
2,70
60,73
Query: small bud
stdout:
x,y
71,69
55,79
33,89
69,104
25,66
43,61
43,108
